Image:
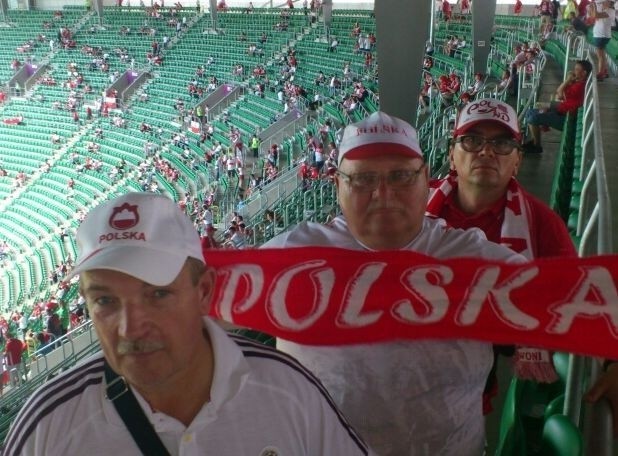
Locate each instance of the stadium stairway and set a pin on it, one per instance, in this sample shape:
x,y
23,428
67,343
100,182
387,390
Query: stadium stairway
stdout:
x,y
537,171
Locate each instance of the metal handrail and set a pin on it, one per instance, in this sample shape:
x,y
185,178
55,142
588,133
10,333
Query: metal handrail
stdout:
x,y
595,228
50,364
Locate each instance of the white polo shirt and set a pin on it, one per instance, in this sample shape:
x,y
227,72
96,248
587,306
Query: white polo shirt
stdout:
x,y
263,403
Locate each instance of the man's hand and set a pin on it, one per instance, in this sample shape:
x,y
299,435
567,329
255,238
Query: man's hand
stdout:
x,y
607,387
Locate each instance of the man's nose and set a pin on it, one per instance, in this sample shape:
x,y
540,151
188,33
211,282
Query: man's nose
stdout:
x,y
133,320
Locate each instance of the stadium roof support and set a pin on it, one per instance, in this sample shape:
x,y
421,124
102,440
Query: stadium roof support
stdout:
x,y
213,14
3,8
98,8
402,29
483,15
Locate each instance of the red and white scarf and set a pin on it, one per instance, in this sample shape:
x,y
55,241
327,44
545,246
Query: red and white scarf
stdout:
x,y
529,363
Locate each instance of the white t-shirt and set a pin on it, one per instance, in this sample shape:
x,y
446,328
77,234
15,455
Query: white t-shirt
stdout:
x,y
406,397
261,400
207,217
602,27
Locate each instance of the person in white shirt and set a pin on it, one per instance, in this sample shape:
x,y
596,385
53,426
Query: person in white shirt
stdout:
x,y
198,390
418,397
604,15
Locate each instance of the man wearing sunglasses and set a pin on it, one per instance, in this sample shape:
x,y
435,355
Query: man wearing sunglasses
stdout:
x,y
405,397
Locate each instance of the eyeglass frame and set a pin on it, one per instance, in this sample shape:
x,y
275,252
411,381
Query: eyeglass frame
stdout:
x,y
515,144
382,178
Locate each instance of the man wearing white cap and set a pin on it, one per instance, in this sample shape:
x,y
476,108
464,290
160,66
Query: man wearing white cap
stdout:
x,y
405,397
170,381
481,191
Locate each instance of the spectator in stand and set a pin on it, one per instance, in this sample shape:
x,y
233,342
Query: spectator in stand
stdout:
x,y
20,179
546,13
506,82
417,397
582,8
569,97
604,16
208,241
479,82
183,375
356,30
446,10
43,343
447,90
482,191
254,145
13,352
576,24
518,7
465,7
236,238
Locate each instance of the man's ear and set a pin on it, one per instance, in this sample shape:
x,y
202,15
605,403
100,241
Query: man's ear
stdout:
x,y
520,157
450,158
206,287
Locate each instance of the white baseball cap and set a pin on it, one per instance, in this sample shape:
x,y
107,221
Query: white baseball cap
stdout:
x,y
379,135
143,235
487,110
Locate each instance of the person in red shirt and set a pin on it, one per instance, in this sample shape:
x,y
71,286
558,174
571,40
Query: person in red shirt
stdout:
x,y
482,191
208,241
569,97
582,8
518,7
13,351
465,6
446,10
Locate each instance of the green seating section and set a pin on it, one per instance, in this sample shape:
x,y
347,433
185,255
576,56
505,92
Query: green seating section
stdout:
x,y
32,219
28,26
561,437
563,177
527,425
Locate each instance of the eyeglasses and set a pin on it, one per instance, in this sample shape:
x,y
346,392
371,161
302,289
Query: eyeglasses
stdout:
x,y
370,181
472,143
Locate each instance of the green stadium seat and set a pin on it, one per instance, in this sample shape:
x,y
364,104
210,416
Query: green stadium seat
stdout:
x,y
561,437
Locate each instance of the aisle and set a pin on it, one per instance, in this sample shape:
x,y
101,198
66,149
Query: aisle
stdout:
x,y
537,171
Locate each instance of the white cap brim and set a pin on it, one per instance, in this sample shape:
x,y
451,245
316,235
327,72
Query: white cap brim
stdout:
x,y
156,267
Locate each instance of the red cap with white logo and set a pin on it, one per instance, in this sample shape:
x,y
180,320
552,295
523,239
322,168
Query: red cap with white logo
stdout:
x,y
143,235
379,135
487,110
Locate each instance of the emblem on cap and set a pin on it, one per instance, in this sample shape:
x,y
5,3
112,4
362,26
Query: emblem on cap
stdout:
x,y
124,217
487,107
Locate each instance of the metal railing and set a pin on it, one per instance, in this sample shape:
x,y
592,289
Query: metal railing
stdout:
x,y
76,345
271,194
594,227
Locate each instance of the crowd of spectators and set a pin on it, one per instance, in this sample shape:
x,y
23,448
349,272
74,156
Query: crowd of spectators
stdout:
x,y
32,331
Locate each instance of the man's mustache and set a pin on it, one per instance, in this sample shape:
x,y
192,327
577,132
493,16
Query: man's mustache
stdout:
x,y
133,347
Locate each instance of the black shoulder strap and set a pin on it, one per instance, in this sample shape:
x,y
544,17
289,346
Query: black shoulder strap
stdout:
x,y
134,418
